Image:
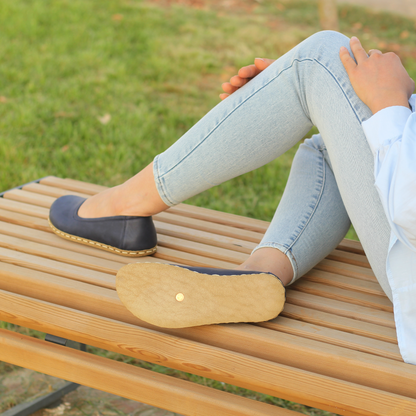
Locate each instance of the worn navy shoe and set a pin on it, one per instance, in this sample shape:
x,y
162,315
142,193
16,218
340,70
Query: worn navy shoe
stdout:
x,y
173,296
128,236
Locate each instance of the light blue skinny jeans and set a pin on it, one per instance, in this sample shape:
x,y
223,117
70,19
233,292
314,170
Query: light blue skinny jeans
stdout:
x,y
331,181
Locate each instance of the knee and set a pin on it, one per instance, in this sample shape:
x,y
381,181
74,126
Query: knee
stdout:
x,y
328,37
325,45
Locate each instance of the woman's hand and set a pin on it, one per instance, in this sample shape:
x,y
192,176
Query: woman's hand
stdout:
x,y
245,74
379,79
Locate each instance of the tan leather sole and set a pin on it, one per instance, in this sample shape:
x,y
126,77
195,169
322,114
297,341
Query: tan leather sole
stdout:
x,y
173,297
101,246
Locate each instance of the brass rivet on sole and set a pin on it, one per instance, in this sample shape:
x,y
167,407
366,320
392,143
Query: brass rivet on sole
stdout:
x,y
180,297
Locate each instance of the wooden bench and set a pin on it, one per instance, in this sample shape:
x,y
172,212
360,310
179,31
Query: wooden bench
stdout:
x,y
334,347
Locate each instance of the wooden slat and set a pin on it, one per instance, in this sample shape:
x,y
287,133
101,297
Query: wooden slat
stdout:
x,y
30,198
204,237
59,254
22,208
73,185
24,220
340,323
334,337
339,308
343,282
218,217
127,381
50,239
362,299
351,258
177,256
241,370
201,249
346,270
207,226
55,267
351,246
51,191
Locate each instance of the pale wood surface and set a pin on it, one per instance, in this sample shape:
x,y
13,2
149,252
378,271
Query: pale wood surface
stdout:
x,y
333,347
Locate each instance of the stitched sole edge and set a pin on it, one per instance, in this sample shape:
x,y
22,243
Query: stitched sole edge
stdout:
x,y
150,292
91,243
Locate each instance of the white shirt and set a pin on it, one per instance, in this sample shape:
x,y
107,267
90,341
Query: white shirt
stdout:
x,y
391,134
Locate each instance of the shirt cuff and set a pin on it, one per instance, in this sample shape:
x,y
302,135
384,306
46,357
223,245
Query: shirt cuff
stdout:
x,y
386,125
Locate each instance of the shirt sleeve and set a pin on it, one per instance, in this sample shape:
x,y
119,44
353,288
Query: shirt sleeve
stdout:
x,y
391,134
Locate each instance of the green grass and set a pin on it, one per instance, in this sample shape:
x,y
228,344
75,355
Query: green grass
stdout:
x,y
155,70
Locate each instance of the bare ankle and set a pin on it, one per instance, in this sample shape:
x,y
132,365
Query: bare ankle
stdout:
x,y
138,196
270,260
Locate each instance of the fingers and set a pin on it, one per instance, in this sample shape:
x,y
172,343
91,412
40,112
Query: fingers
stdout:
x,y
262,63
228,88
346,59
359,53
249,71
237,81
373,51
244,75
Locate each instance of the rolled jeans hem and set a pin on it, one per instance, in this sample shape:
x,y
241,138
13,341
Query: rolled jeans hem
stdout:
x,y
286,251
159,185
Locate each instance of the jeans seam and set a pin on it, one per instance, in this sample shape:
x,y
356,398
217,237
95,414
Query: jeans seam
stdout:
x,y
341,87
253,94
315,207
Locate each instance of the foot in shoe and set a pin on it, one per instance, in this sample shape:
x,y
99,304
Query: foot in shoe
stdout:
x,y
125,235
173,296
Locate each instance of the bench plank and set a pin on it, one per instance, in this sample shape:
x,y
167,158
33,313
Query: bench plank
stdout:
x,y
343,282
340,323
351,296
334,337
55,267
343,269
339,308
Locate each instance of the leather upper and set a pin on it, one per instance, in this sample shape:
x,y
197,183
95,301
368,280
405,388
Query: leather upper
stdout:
x,y
124,232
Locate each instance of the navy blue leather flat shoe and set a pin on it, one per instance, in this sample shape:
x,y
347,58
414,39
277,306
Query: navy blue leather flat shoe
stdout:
x,y
124,235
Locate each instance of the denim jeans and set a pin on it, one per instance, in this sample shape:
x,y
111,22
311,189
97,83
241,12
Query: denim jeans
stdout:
x,y
331,181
